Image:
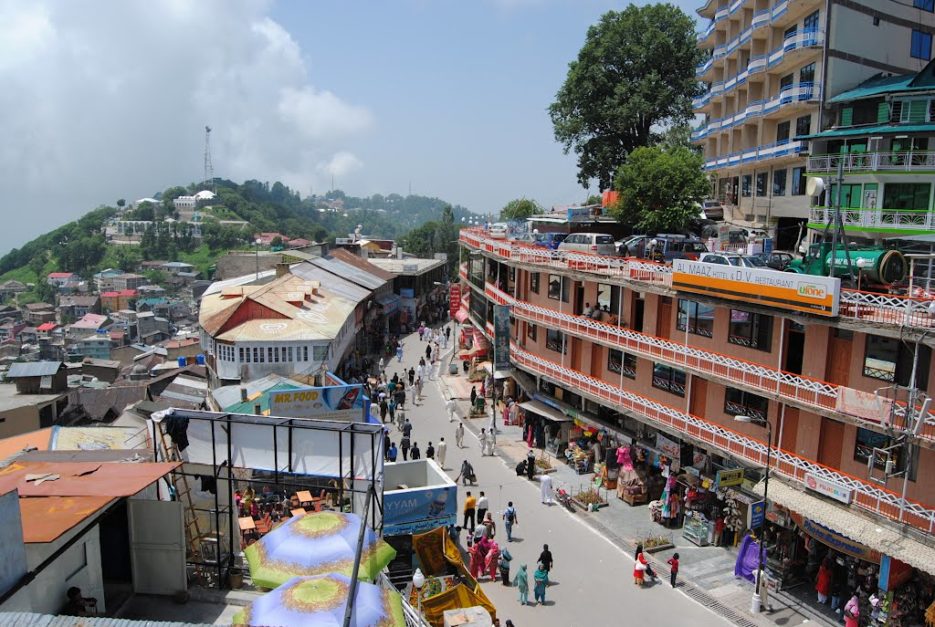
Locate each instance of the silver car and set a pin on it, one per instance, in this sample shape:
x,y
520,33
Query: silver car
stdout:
x,y
594,243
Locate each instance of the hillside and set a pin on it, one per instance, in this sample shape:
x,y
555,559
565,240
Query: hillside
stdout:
x,y
82,247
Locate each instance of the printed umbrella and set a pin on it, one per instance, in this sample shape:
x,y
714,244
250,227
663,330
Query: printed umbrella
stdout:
x,y
320,601
316,544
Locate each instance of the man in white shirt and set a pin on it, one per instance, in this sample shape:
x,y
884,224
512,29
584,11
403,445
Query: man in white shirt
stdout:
x,y
451,406
482,506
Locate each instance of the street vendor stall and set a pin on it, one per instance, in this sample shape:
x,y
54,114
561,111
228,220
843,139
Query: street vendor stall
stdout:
x,y
556,428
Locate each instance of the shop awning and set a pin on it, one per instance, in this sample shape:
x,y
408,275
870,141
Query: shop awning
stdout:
x,y
389,302
461,315
856,526
541,409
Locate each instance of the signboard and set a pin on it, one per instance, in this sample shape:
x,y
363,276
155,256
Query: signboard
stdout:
x,y
344,241
893,573
817,295
418,510
668,447
829,488
756,513
836,541
336,402
578,214
729,478
454,299
501,347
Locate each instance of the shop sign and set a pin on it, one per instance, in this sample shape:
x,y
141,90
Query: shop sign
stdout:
x,y
893,573
829,488
756,513
729,478
415,511
691,470
777,515
837,541
578,214
336,402
407,292
668,447
501,339
454,299
818,295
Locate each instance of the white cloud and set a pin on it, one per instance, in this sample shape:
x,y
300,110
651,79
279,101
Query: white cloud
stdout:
x,y
96,105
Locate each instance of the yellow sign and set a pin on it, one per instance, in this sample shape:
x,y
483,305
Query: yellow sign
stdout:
x,y
817,295
729,478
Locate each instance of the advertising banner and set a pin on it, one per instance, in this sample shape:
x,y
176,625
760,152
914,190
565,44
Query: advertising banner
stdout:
x,y
336,402
501,326
415,511
667,447
454,299
817,295
727,478
756,513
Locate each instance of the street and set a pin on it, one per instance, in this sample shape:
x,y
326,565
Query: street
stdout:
x,y
591,580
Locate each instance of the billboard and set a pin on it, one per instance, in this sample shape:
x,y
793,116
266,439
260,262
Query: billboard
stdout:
x,y
335,402
454,299
418,510
817,295
501,327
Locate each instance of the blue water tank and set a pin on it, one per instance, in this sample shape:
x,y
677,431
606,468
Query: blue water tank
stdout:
x,y
181,362
200,359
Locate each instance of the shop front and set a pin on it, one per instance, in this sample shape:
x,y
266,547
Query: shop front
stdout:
x,y
556,425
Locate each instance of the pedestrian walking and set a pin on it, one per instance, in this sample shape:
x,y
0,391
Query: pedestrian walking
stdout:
x,y
441,452
459,435
450,407
639,566
448,333
521,581
492,561
540,578
419,388
482,438
545,486
412,375
531,464
545,558
428,352
415,452
407,428
470,508
384,408
392,407
392,452
412,394
491,441
399,352
430,451
400,418
473,395
505,559
490,527
482,506
382,366
673,568
509,519
404,447
475,559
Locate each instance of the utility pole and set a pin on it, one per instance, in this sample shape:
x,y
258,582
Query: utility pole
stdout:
x,y
209,167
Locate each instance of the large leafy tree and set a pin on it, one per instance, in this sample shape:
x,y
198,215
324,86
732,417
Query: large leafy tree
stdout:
x,y
660,188
635,72
520,209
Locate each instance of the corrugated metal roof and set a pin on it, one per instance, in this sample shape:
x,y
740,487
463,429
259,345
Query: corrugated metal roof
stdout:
x,y
871,130
45,519
33,369
347,271
29,619
82,478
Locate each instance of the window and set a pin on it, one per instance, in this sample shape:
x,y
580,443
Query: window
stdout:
x,y
785,81
696,318
740,403
905,196
782,132
621,363
925,5
289,354
262,355
534,282
761,180
555,341
751,329
880,358
240,352
913,110
319,353
807,73
789,32
669,379
555,286
798,182
779,182
745,182
850,194
810,23
803,125
305,353
921,45
603,296
531,331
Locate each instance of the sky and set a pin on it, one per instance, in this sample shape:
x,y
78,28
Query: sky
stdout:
x,y
106,100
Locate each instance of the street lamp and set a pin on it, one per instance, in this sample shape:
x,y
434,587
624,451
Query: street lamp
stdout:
x,y
763,422
256,248
418,580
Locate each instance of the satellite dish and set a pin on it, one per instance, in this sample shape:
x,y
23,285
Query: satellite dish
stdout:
x,y
814,186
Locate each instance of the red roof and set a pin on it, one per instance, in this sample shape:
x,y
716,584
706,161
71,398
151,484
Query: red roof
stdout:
x,y
46,326
126,293
61,275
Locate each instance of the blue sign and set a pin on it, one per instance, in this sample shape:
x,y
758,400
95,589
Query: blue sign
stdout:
x,y
756,514
501,328
415,511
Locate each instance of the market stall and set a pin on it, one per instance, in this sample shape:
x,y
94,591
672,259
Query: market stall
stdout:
x,y
556,427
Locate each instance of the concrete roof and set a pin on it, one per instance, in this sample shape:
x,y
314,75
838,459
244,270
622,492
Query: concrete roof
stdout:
x,y
33,369
411,266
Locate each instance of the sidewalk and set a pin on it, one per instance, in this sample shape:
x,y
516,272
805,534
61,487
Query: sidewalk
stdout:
x,y
706,573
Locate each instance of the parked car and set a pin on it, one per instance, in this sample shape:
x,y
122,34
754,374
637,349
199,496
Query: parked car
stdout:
x,y
594,243
672,246
499,230
713,209
549,240
733,259
777,259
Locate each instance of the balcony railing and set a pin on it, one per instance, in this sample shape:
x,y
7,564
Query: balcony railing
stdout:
x,y
894,221
867,496
802,92
901,161
786,386
760,153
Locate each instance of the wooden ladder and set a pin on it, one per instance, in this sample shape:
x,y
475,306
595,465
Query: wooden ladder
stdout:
x,y
183,492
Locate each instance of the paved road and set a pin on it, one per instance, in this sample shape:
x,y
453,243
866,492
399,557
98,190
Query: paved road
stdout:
x,y
592,580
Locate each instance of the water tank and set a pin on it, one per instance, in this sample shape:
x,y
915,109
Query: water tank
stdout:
x,y
200,359
181,361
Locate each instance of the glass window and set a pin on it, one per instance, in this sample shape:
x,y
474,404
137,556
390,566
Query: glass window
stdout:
x,y
305,353
880,357
798,182
751,329
803,125
745,183
697,318
319,353
779,182
761,180
810,23
603,296
782,132
555,286
669,379
921,45
785,81
534,282
807,73
789,32
740,403
554,340
531,331
905,196
621,363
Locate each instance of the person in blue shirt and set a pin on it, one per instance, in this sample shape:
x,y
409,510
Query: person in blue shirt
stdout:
x,y
392,452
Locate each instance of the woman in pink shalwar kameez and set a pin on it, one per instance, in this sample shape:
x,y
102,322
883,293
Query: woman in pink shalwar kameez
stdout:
x,y
476,562
493,560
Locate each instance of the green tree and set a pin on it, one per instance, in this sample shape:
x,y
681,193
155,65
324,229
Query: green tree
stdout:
x,y
660,188
636,71
121,203
520,209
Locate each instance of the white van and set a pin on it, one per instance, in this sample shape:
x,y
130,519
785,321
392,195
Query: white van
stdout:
x,y
594,243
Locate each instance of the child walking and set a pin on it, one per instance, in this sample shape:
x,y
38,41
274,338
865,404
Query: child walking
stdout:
x,y
673,568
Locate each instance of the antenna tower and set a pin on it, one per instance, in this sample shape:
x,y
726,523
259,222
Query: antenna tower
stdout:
x,y
209,168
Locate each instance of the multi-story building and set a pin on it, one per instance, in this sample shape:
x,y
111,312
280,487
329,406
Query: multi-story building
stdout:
x,y
666,358
771,67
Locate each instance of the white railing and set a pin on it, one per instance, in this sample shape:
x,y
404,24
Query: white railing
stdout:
x,y
787,386
902,220
867,496
901,161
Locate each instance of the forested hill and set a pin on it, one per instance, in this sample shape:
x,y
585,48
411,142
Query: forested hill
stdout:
x,y
82,247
